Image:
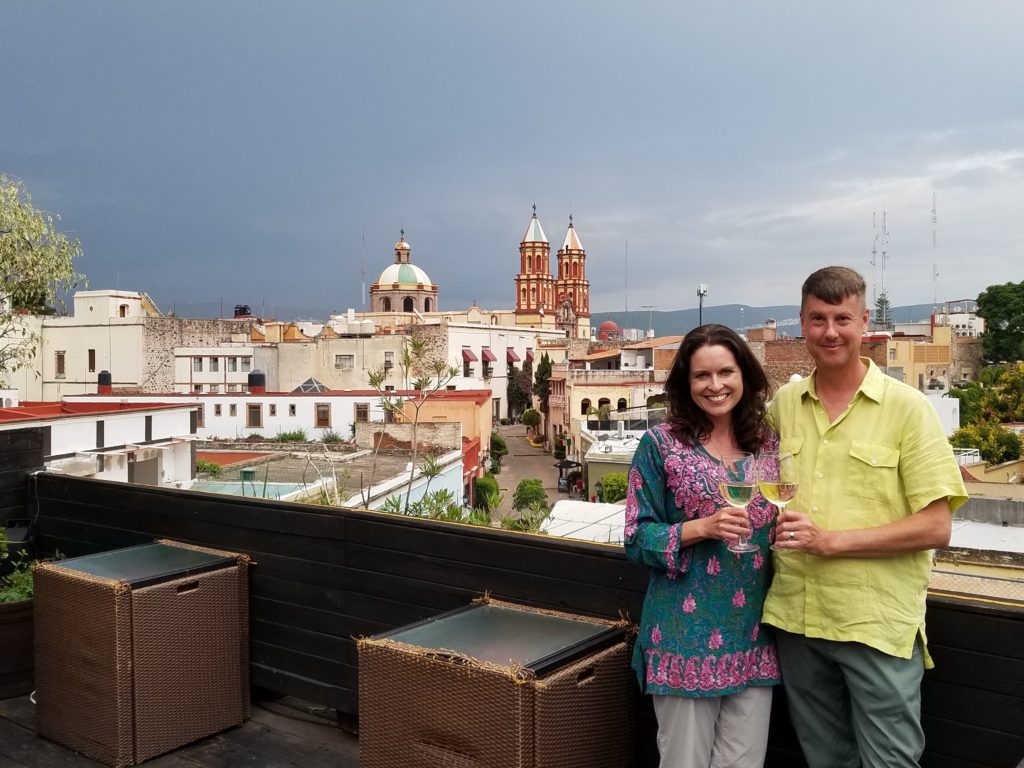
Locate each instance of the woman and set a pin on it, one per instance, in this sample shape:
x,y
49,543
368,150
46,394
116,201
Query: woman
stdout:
x,y
701,650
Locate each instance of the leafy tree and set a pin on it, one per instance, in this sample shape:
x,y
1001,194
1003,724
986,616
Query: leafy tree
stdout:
x,y
519,389
997,396
995,443
1002,306
531,418
529,493
614,485
431,376
36,269
542,381
883,310
482,486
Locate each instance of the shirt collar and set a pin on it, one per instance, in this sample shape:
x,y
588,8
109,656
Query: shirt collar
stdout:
x,y
872,384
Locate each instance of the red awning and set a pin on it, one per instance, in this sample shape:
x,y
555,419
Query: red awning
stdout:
x,y
511,356
529,355
468,356
488,356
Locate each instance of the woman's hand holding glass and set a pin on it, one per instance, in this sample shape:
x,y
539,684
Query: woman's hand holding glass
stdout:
x,y
737,482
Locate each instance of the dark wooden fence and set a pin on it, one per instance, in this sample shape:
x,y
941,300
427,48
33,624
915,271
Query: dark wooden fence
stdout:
x,y
325,576
21,452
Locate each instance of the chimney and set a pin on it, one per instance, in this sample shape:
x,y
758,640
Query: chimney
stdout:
x,y
257,383
104,383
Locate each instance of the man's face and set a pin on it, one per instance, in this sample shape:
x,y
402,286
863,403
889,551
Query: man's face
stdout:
x,y
833,331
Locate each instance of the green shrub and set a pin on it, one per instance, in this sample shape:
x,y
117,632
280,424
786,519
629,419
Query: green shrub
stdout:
x,y
531,418
505,422
292,436
614,486
499,447
482,486
16,585
204,467
529,493
330,436
529,519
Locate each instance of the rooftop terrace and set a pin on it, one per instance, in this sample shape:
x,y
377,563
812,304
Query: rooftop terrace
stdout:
x,y
323,576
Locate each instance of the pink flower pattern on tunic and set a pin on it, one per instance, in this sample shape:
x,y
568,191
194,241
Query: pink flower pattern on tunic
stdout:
x,y
700,631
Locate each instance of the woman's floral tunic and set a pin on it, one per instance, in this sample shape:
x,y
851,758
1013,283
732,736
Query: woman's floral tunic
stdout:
x,y
700,633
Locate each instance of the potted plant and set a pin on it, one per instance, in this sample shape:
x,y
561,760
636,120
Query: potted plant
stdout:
x,y
16,603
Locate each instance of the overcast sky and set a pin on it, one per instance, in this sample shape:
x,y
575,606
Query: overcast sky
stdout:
x,y
257,152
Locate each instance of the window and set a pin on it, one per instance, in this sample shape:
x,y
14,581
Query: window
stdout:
x,y
622,404
344,362
584,407
216,410
254,415
197,365
92,361
58,361
362,411
892,354
389,360
197,387
385,305
215,388
214,364
426,305
122,311
389,387
604,403
407,305
467,369
291,409
232,364
232,410
232,387
273,409
201,415
246,364
323,415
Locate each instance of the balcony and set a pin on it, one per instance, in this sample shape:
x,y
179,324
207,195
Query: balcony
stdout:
x,y
326,575
620,376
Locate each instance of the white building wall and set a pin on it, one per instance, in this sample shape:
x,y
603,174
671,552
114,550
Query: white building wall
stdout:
x,y
71,435
275,412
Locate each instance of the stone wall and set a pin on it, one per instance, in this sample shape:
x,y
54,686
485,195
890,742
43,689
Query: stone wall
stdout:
x,y
446,436
435,339
784,357
162,334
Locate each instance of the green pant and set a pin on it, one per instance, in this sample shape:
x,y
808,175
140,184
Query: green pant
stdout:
x,y
852,705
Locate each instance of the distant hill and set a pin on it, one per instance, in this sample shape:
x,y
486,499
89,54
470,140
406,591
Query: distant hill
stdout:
x,y
739,316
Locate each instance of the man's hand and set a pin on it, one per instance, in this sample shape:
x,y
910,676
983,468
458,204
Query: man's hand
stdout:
x,y
926,529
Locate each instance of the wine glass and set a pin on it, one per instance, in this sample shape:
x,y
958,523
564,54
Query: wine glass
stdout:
x,y
737,482
777,479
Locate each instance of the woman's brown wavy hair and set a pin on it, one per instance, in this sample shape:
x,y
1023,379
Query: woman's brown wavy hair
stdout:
x,y
689,423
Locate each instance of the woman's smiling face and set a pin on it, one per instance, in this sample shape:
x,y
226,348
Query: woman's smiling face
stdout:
x,y
716,383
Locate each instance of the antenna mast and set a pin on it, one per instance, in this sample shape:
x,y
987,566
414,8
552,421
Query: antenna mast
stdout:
x,y
935,245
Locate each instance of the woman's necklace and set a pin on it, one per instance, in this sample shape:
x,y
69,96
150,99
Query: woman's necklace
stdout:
x,y
718,448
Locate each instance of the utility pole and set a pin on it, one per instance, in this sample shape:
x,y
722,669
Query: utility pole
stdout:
x,y
702,291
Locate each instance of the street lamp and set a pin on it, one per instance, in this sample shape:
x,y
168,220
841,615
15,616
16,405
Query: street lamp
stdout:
x,y
702,291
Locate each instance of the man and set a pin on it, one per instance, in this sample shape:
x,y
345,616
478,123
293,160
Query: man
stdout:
x,y
878,485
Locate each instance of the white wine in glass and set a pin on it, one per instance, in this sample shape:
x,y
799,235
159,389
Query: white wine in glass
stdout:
x,y
737,483
776,478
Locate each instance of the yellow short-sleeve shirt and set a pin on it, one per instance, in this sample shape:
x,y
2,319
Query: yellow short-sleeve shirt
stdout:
x,y
885,458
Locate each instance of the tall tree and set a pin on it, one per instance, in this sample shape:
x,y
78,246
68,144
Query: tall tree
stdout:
x,y
36,270
542,382
1002,306
883,310
519,390
431,376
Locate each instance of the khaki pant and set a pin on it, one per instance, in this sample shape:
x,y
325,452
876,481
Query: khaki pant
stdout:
x,y
714,732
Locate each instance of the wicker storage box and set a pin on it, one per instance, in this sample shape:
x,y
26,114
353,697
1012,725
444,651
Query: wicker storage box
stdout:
x,y
142,650
457,692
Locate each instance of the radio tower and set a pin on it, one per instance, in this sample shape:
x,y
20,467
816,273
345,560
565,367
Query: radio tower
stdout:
x,y
879,256
935,246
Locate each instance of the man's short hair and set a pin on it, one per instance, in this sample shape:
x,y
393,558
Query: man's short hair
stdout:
x,y
833,285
